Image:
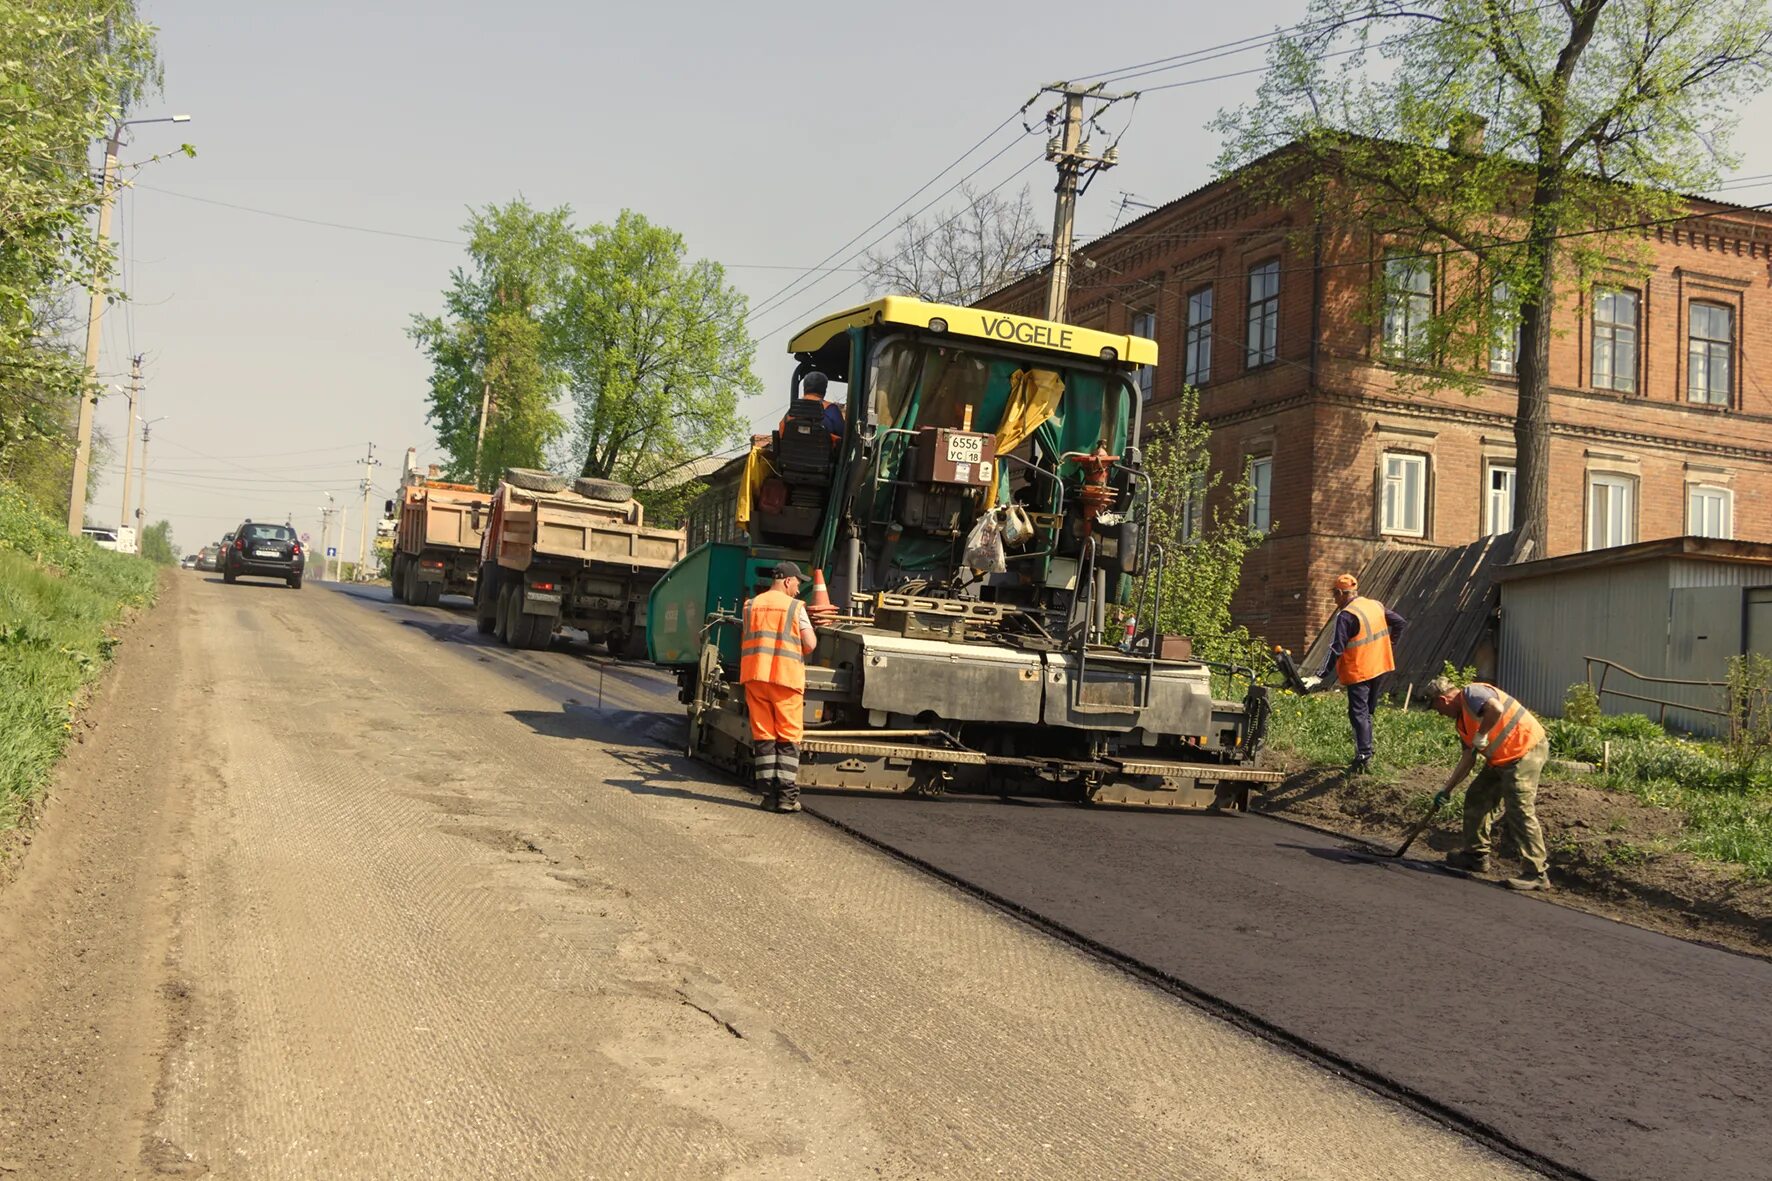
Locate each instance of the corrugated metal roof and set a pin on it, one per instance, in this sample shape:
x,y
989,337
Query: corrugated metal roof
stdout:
x,y
1703,549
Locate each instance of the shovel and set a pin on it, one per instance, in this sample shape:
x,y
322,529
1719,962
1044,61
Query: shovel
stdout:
x,y
1420,826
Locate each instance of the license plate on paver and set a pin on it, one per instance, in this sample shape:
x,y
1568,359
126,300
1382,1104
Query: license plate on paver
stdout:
x,y
965,448
264,553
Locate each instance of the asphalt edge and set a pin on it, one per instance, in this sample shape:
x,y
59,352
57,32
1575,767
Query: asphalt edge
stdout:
x,y
1380,1084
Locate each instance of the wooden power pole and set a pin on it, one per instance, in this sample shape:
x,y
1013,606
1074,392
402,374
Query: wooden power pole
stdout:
x,y
1070,152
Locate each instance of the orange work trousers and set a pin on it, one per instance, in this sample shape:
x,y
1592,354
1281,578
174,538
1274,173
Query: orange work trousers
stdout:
x,y
778,713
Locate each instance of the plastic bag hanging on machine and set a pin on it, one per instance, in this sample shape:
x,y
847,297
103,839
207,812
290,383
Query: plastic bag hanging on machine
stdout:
x,y
984,546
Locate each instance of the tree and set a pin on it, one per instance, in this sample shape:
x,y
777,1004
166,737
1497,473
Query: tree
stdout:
x,y
70,69
1204,550
1518,148
156,544
654,352
960,257
493,373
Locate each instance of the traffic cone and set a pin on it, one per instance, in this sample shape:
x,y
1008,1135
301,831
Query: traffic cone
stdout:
x,y
821,605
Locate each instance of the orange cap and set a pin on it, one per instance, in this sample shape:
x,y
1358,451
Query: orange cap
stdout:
x,y
1347,582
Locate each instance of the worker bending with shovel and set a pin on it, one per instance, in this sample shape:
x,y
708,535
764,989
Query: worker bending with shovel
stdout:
x,y
1513,747
778,637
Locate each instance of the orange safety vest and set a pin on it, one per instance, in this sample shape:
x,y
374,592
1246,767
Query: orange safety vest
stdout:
x,y
1368,653
1516,733
771,651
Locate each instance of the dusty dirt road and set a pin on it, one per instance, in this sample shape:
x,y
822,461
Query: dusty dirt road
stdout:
x,y
334,889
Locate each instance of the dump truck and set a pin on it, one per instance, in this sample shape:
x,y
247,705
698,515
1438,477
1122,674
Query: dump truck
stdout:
x,y
436,539
982,517
577,554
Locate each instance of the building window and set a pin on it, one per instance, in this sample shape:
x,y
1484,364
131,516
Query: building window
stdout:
x,y
1264,314
1408,304
1504,348
1611,511
1708,511
1193,509
1615,340
1261,493
1710,343
1198,368
1498,503
1145,324
1405,495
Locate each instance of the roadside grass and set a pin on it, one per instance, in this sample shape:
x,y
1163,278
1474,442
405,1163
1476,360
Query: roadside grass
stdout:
x,y
1726,813
59,597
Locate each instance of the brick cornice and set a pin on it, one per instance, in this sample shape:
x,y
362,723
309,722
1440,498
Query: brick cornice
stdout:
x,y
1482,418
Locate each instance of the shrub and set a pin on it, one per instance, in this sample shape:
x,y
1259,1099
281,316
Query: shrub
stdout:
x,y
1581,705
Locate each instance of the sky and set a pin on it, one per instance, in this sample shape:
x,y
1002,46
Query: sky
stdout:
x,y
769,135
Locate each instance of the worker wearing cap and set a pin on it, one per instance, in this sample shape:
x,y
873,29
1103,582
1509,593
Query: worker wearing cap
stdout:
x,y
813,389
1513,747
1360,656
778,637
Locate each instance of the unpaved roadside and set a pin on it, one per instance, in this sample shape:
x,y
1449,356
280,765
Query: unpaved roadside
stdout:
x,y
87,1008
427,908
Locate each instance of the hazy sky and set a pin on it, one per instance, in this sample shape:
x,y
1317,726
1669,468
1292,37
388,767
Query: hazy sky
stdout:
x,y
767,134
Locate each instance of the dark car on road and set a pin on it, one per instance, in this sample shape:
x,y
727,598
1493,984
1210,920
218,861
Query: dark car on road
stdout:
x,y
264,551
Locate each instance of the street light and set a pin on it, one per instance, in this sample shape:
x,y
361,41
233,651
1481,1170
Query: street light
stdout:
x,y
94,313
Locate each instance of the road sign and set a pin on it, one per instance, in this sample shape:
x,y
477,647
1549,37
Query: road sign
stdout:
x,y
332,551
305,538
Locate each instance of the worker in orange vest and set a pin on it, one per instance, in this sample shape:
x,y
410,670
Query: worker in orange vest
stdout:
x,y
778,637
1513,746
1360,656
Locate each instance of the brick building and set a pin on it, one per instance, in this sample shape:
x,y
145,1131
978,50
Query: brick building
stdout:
x,y
1661,389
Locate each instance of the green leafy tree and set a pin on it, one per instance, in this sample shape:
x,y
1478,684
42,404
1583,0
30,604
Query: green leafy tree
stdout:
x,y
156,544
654,351
1202,526
491,347
1516,147
69,69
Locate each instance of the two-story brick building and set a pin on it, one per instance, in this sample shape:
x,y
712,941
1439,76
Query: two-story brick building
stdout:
x,y
1661,389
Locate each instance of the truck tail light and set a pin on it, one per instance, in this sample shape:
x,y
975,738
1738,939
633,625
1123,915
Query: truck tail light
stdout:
x,y
541,586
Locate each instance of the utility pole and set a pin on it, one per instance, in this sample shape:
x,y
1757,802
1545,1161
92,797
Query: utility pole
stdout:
x,y
326,511
1070,151
370,462
141,507
135,389
480,431
95,312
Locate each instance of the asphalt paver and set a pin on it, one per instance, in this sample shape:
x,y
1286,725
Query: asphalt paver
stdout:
x,y
1617,1052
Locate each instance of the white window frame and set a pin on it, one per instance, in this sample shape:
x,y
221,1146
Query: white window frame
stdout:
x,y
1510,492
1197,363
1408,303
1144,323
1621,523
1706,354
1616,339
1262,344
1504,349
1260,479
1399,515
1722,498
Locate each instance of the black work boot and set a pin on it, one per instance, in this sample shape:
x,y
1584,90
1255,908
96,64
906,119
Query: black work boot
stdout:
x,y
1360,765
771,799
790,798
1468,862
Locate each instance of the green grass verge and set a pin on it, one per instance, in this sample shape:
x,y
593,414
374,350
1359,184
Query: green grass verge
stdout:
x,y
59,598
1727,813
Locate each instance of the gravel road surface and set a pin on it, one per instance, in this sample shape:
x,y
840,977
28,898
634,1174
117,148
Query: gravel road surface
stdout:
x,y
335,889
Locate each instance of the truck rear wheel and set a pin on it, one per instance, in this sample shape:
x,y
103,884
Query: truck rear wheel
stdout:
x,y
397,578
502,625
486,599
